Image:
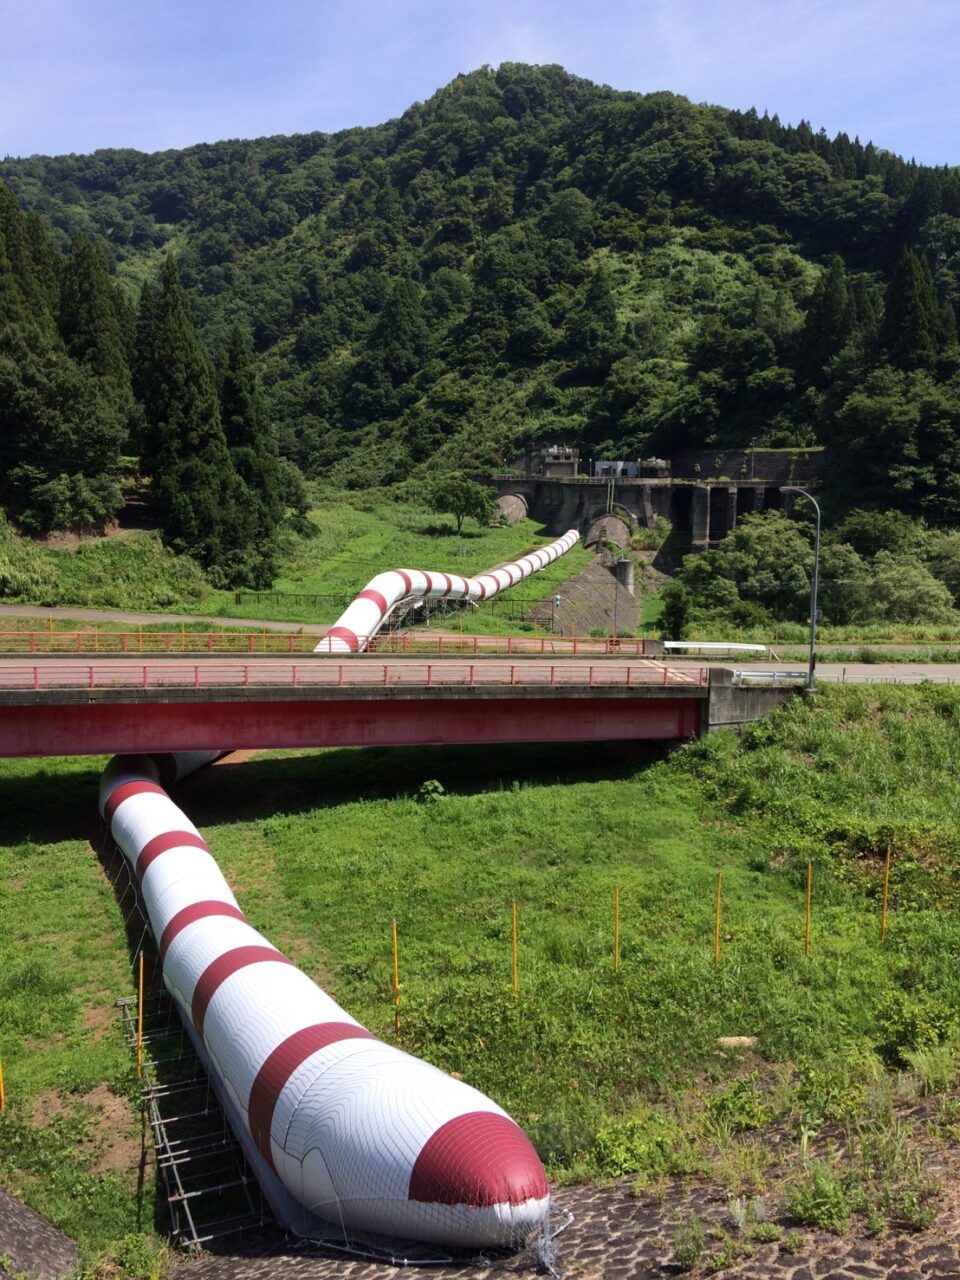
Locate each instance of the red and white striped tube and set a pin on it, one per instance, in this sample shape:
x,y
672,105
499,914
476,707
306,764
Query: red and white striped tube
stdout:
x,y
366,614
358,1133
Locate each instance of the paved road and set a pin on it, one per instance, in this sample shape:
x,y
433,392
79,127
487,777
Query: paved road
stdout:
x,y
199,670
45,612
151,619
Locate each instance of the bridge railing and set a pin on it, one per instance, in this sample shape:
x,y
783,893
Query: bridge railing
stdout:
x,y
324,673
290,642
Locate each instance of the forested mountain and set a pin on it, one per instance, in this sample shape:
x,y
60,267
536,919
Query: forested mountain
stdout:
x,y
530,254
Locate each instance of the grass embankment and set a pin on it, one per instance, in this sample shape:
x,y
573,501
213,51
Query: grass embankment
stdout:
x,y
356,536
608,1073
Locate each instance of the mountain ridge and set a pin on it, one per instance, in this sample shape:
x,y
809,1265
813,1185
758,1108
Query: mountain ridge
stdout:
x,y
526,254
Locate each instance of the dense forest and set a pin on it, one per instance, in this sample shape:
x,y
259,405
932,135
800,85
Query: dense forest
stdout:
x,y
526,255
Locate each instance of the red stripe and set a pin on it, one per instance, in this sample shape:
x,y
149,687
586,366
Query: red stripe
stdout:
x,y
406,579
127,789
429,580
379,600
224,967
276,1071
195,911
478,1159
160,844
482,588
449,581
344,633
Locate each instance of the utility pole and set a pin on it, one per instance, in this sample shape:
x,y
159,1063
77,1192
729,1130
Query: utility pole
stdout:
x,y
812,660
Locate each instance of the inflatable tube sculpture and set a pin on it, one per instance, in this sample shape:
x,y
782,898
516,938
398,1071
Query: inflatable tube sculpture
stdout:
x,y
366,614
340,1127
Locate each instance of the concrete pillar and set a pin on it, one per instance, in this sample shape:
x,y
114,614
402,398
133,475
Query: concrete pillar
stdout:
x,y
700,518
732,493
624,570
646,506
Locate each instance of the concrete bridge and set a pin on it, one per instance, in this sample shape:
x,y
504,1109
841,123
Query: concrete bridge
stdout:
x,y
86,708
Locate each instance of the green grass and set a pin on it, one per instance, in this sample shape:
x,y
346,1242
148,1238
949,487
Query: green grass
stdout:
x,y
356,536
608,1073
63,963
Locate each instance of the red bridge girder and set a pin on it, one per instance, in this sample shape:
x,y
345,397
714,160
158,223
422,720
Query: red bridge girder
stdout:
x,y
50,728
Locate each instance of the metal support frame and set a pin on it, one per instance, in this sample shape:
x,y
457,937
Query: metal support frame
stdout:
x,y
197,1155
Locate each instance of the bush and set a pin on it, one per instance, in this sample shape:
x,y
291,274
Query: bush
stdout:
x,y
913,1021
689,1242
821,1199
675,613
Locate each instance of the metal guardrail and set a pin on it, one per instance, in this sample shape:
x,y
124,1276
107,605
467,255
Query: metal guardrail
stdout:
x,y
714,647
774,677
291,642
324,674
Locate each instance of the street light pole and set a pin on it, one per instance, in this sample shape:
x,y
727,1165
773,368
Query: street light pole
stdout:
x,y
792,488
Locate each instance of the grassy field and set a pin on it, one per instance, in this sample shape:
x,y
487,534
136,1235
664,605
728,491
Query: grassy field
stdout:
x,y
355,537
609,1073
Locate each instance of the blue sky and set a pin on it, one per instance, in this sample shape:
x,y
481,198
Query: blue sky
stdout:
x,y
152,74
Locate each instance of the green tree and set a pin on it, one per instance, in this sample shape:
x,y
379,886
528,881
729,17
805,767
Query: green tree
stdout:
x,y
89,317
761,569
828,323
60,437
592,330
911,330
462,498
675,614
258,490
185,453
60,429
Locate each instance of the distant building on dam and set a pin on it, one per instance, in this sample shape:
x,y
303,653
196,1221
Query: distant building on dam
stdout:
x,y
703,493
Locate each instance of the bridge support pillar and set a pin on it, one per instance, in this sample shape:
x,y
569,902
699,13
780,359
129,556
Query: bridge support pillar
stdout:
x,y
700,518
624,571
732,495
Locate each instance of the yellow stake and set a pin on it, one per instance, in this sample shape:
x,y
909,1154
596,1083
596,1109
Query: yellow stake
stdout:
x,y
3,1096
516,984
396,982
886,897
140,1020
716,921
616,929
806,936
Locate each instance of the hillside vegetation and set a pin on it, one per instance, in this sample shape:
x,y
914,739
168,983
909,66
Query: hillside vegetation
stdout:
x,y
608,1073
347,540
530,254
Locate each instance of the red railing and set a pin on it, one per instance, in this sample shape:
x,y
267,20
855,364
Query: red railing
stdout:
x,y
290,642
322,672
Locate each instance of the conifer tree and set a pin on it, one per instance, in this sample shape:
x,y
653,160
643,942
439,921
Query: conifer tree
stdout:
x,y
60,433
89,317
911,329
828,324
184,450
253,451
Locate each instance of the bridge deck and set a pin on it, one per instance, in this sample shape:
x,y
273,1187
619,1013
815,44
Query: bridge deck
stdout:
x,y
58,708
